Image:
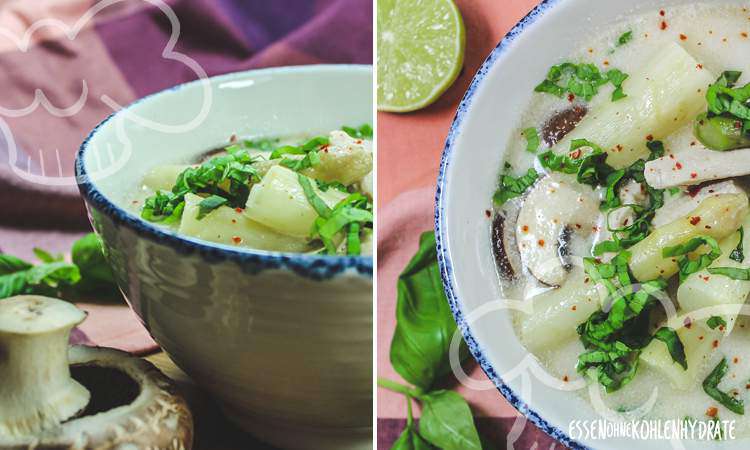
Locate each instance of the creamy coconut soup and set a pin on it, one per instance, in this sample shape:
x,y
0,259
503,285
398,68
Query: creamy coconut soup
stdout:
x,y
621,214
293,194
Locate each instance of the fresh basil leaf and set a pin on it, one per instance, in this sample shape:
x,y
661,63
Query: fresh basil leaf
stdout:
x,y
325,185
511,187
734,273
13,284
447,422
424,323
674,345
689,266
532,139
53,274
738,254
716,321
710,384
410,439
10,264
209,204
88,254
45,256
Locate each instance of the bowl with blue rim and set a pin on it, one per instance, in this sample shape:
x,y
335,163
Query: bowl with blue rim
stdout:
x,y
282,340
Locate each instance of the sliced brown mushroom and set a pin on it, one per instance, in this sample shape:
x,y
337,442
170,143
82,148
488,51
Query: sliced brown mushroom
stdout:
x,y
129,403
561,123
504,245
555,204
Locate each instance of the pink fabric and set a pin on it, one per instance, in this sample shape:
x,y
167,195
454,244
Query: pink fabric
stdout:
x,y
409,148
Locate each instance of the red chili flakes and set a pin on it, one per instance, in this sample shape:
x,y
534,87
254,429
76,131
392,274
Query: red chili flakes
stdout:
x,y
678,165
606,62
693,175
723,39
744,34
236,239
540,242
692,144
565,378
358,141
586,280
578,225
663,25
735,360
591,50
571,97
671,156
688,323
694,220
747,386
683,37
711,412
576,154
662,12
239,210
573,308
650,137
721,327
699,66
715,343
700,338
234,220
487,213
525,228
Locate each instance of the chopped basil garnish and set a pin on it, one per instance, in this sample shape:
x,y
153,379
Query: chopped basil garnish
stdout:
x,y
640,227
734,273
363,132
710,387
624,38
511,187
224,176
350,215
532,139
614,339
582,80
689,266
715,321
726,123
738,254
208,204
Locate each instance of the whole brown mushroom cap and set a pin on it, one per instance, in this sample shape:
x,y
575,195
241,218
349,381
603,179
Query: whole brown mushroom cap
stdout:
x,y
125,403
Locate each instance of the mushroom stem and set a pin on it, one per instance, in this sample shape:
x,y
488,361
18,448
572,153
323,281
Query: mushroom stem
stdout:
x,y
37,392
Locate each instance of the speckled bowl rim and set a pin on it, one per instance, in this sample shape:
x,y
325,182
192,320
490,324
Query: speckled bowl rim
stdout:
x,y
310,266
441,203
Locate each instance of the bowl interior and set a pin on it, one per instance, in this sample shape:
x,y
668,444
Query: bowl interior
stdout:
x,y
175,125
473,155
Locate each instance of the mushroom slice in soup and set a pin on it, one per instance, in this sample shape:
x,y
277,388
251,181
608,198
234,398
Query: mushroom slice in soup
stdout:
x,y
696,166
555,204
504,244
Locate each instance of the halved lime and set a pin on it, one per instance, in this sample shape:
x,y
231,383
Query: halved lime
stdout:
x,y
420,52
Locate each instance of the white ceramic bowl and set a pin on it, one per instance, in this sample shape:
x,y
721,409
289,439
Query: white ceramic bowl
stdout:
x,y
469,169
284,341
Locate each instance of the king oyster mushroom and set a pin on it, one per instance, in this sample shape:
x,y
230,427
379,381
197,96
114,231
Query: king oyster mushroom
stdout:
x,y
556,209
696,166
128,403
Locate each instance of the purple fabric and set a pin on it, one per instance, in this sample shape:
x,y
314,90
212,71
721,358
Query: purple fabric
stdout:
x,y
231,35
119,53
493,430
